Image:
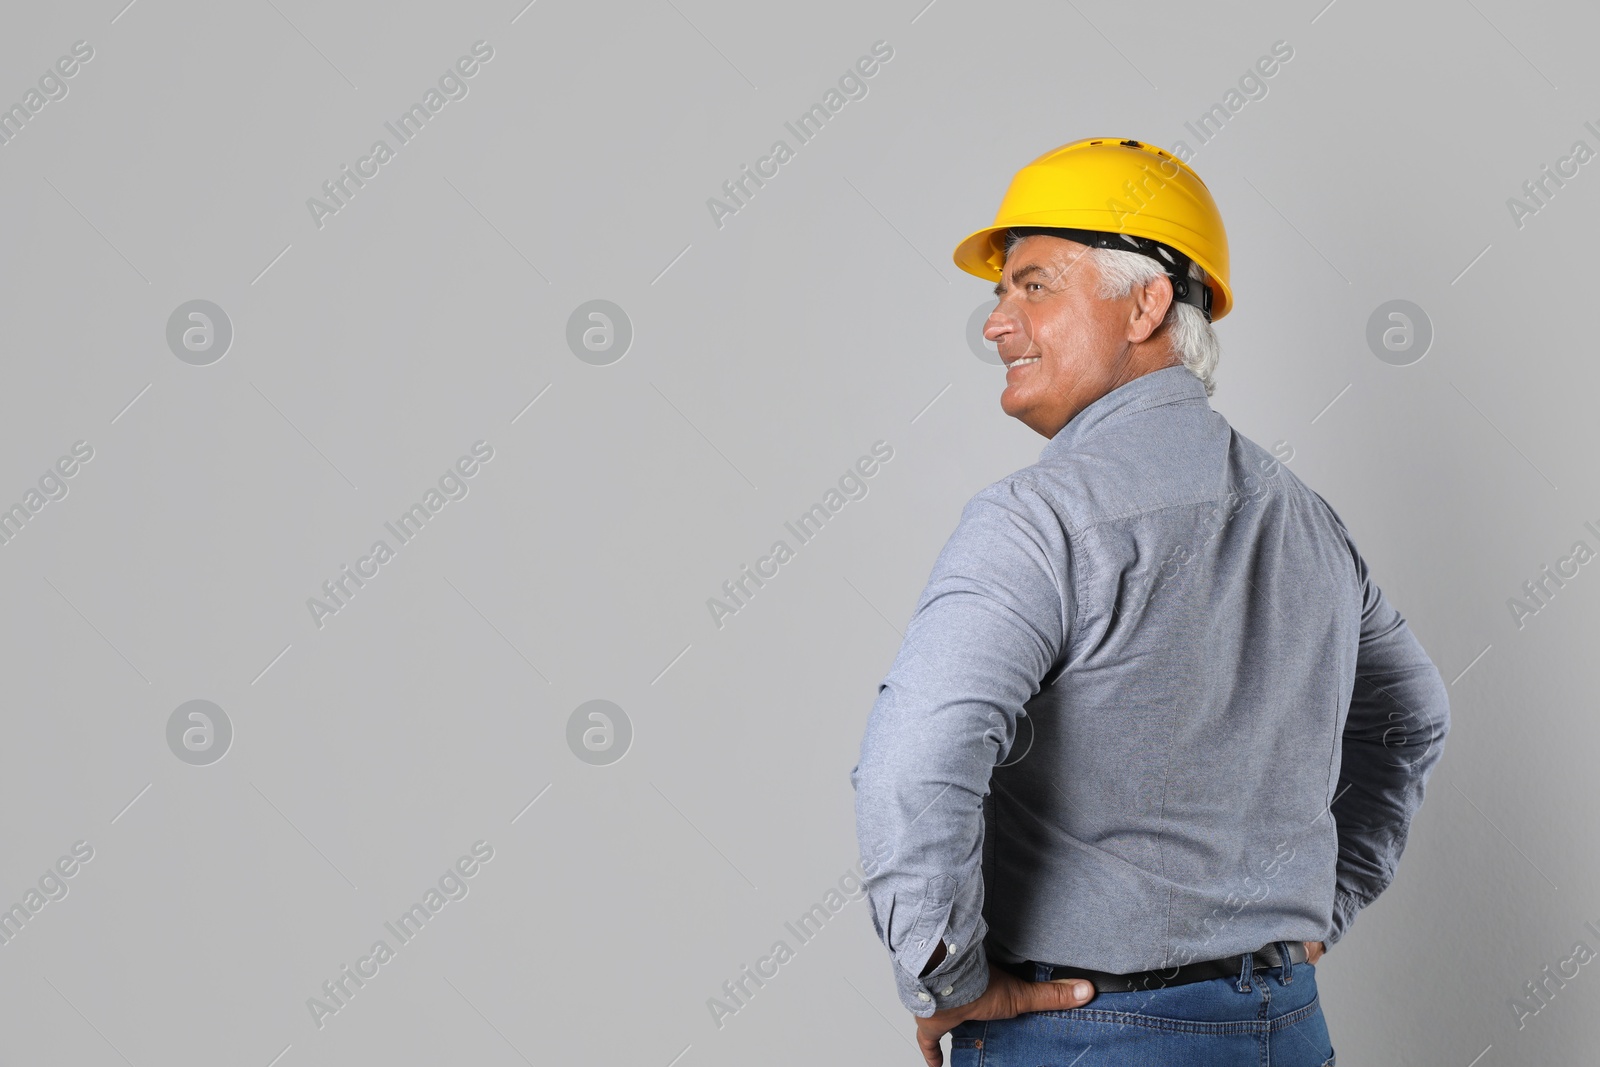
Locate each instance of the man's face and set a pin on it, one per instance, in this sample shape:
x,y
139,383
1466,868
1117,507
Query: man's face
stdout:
x,y
1049,310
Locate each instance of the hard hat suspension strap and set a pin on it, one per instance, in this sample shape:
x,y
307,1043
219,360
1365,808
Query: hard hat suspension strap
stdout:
x,y
1185,290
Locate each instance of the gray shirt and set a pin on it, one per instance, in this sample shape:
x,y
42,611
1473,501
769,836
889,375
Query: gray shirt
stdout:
x,y
1150,708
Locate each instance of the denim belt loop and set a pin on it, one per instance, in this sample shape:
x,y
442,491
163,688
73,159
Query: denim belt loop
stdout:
x,y
1244,972
1285,963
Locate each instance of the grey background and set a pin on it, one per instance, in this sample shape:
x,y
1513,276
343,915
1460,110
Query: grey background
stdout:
x,y
369,354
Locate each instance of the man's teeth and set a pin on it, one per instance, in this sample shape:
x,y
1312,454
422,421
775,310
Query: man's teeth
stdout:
x,y
1020,362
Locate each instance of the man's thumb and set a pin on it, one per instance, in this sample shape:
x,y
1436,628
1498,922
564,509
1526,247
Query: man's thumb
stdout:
x,y
1060,994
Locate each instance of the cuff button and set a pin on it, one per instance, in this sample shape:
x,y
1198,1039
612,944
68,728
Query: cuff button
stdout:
x,y
947,990
923,996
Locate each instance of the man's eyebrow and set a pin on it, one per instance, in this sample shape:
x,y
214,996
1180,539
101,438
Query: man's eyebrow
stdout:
x,y
1031,268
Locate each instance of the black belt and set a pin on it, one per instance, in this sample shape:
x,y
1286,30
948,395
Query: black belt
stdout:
x,y
1229,967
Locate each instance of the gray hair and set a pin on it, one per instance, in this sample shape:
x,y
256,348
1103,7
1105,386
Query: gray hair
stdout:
x,y
1193,339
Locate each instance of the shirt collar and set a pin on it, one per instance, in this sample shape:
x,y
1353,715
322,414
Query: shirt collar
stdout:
x,y
1165,386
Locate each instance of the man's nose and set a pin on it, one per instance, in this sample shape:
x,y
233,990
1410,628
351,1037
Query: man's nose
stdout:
x,y
997,327
1002,327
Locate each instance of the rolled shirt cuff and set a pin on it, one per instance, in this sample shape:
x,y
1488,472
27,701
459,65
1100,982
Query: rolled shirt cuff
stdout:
x,y
961,977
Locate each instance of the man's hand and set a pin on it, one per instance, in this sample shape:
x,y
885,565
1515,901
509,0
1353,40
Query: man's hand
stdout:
x,y
1007,997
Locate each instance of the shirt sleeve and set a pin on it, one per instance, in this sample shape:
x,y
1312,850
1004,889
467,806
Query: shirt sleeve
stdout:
x,y
988,628
1393,738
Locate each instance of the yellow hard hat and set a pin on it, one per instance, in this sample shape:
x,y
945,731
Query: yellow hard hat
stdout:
x,y
1114,194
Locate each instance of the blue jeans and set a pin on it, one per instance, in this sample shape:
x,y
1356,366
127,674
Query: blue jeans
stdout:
x,y
1272,1018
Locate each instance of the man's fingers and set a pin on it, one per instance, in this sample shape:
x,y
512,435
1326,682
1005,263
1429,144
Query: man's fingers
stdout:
x,y
1057,995
930,1049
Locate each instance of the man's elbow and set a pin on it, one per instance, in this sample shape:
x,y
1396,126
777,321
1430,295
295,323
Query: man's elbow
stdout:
x,y
1441,707
1417,723
1436,724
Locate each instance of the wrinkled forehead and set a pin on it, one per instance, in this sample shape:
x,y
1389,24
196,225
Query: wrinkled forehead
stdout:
x,y
1042,256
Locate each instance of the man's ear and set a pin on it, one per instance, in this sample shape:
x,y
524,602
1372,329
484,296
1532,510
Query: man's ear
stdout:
x,y
1152,301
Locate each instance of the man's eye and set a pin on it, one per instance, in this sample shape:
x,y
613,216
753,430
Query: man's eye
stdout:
x,y
1030,285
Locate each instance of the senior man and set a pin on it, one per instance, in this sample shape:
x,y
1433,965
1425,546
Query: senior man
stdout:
x,y
1154,735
